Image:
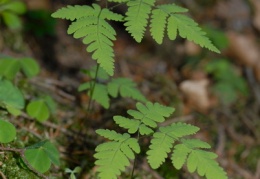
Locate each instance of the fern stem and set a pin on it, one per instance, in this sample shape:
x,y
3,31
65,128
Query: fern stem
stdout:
x,y
132,174
92,88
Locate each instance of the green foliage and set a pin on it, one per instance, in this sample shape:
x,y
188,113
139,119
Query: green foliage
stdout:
x,y
97,32
73,172
118,86
197,159
163,141
10,11
9,67
228,83
7,132
125,87
137,17
91,25
41,155
38,109
146,117
11,97
169,14
40,23
113,156
217,36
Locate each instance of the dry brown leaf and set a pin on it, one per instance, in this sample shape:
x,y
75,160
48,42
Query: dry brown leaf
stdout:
x,y
243,48
196,94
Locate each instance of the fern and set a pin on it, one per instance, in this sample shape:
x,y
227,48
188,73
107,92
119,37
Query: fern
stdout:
x,y
169,15
113,157
97,32
145,118
162,141
126,87
197,159
137,17
100,93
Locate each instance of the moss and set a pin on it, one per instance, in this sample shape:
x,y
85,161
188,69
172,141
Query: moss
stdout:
x,y
11,168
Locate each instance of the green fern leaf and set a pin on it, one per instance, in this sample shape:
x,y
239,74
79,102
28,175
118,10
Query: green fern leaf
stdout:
x,y
169,15
197,159
178,130
131,125
161,145
151,113
126,87
158,20
97,33
181,151
162,141
113,157
72,12
100,93
137,17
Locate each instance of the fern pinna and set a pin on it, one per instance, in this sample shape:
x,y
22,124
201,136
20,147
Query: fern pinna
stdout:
x,y
113,157
90,23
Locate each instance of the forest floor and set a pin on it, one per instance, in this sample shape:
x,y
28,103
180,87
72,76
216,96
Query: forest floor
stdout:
x,y
178,74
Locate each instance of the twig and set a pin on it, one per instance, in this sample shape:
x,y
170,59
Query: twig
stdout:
x,y
221,140
2,175
21,153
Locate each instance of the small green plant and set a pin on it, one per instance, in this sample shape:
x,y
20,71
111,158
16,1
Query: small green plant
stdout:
x,y
228,84
10,11
38,157
91,23
114,156
73,172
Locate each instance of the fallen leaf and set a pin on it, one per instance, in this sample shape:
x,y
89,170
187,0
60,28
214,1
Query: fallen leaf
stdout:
x,y
196,94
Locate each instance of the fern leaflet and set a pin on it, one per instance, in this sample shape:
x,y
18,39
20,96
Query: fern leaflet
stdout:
x,y
100,93
137,17
197,159
145,118
126,87
162,141
169,14
97,32
113,157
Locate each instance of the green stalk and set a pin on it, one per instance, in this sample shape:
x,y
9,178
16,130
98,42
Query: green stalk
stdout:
x,y
132,174
92,88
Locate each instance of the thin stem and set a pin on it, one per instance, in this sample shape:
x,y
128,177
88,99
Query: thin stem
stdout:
x,y
132,174
21,153
92,88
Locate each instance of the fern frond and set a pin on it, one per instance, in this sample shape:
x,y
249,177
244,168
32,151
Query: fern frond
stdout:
x,y
137,17
169,15
97,33
113,157
100,93
162,141
126,87
151,113
197,159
